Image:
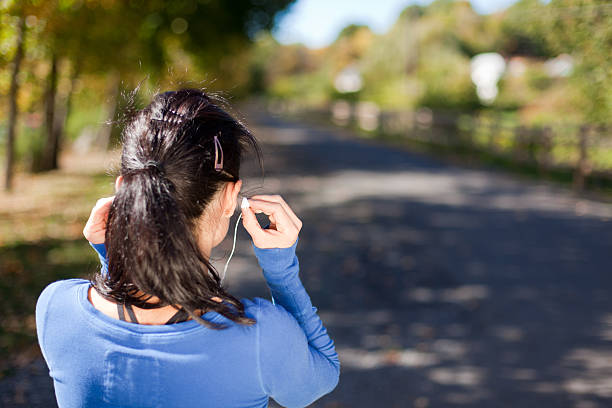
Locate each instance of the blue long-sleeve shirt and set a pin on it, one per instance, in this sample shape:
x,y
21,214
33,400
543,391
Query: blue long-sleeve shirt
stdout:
x,y
99,361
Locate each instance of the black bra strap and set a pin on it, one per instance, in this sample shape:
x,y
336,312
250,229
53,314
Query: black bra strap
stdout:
x,y
131,313
120,311
180,316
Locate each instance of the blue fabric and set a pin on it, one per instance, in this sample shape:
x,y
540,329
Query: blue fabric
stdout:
x,y
99,361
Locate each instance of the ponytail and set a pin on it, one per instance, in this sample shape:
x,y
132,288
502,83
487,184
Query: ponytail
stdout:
x,y
151,239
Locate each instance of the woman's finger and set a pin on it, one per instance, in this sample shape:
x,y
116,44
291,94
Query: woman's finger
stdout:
x,y
281,201
276,210
278,199
104,201
100,211
96,224
250,223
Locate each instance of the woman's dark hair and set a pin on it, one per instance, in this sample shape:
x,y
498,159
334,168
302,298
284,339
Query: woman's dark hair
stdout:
x,y
169,179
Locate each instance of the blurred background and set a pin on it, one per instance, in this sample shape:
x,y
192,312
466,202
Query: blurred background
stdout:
x,y
451,161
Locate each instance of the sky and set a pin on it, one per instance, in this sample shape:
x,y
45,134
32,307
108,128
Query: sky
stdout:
x,y
317,23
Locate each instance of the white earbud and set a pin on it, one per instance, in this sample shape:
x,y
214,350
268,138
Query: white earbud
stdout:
x,y
245,203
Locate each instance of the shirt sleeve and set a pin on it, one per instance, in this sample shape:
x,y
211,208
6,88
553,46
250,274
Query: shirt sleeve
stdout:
x,y
101,250
298,360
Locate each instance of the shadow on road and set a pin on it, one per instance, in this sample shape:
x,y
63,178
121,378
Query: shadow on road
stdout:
x,y
444,286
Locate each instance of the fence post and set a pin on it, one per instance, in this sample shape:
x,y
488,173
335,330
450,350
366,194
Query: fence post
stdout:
x,y
474,128
468,135
531,146
581,170
493,129
544,160
519,142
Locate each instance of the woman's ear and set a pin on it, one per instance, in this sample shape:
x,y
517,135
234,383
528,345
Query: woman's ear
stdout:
x,y
231,197
118,182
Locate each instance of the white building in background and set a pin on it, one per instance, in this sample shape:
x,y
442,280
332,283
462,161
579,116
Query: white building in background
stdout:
x,y
348,80
486,70
560,66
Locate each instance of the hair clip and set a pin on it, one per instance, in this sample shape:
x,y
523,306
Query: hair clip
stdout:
x,y
218,163
169,116
175,116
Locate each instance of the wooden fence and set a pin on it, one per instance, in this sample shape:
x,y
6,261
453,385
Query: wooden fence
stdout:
x,y
584,151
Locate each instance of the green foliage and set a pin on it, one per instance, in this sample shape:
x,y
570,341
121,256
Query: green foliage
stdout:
x,y
424,60
106,45
447,82
350,30
583,28
138,38
310,89
538,79
522,32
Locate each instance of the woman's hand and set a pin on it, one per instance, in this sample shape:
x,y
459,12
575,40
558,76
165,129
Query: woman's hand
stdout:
x,y
95,229
284,224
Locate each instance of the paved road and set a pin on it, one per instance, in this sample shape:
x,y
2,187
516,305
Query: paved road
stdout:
x,y
442,286
446,286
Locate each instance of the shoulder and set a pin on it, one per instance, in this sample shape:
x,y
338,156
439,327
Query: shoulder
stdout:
x,y
55,297
265,309
273,320
61,285
57,290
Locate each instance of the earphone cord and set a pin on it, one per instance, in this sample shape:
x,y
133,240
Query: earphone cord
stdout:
x,y
233,247
232,254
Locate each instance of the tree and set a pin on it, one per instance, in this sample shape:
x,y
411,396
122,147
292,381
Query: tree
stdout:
x,y
126,41
12,117
583,28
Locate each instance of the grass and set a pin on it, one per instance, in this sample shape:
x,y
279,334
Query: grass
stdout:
x,y
41,241
503,159
25,269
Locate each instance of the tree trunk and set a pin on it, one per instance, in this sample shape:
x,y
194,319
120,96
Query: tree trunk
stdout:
x,y
63,110
582,168
12,119
49,161
112,98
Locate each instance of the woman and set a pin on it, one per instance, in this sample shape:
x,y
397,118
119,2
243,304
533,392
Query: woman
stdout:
x,y
185,342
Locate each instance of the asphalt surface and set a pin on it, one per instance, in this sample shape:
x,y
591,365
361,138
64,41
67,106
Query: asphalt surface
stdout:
x,y
442,286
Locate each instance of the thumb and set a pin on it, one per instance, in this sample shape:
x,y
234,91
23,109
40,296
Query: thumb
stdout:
x,y
250,223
